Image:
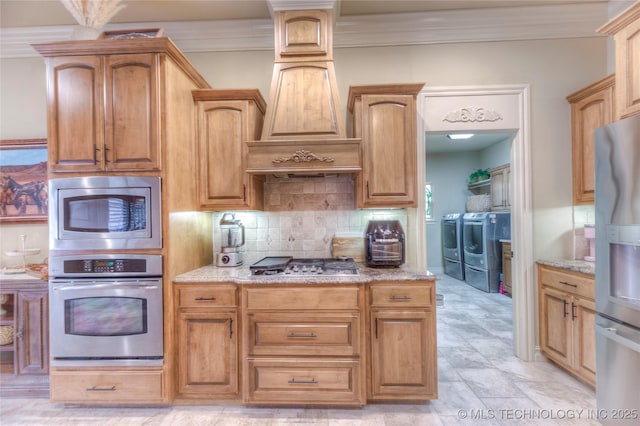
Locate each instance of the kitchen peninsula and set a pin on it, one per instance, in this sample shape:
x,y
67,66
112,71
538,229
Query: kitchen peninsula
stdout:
x,y
306,340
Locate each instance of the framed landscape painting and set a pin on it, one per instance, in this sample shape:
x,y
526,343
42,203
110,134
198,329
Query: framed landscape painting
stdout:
x,y
24,197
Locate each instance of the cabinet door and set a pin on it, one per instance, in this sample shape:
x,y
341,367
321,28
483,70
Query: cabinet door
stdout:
x,y
587,114
132,112
75,113
584,314
389,151
628,69
506,267
403,354
501,188
208,354
222,131
555,326
32,333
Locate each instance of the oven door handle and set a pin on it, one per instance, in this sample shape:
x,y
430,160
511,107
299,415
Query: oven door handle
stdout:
x,y
96,286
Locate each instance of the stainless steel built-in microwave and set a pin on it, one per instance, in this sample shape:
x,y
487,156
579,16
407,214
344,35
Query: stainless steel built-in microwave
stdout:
x,y
104,213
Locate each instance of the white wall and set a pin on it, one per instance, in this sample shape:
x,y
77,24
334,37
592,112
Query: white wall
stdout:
x,y
553,68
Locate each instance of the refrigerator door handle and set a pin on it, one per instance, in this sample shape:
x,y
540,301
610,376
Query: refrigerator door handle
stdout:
x,y
612,333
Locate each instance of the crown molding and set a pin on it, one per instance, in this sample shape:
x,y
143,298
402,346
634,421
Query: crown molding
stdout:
x,y
455,26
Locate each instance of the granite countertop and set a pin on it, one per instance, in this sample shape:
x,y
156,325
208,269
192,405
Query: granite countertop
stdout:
x,y
241,275
572,265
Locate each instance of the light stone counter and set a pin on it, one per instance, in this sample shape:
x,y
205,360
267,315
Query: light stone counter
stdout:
x,y
241,275
571,265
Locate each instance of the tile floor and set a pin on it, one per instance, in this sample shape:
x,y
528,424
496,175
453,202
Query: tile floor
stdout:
x,y
480,382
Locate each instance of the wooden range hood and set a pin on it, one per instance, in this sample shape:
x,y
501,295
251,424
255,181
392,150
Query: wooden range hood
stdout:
x,y
303,131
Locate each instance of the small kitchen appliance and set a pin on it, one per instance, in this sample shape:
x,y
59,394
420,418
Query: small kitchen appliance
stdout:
x,y
231,241
590,236
384,243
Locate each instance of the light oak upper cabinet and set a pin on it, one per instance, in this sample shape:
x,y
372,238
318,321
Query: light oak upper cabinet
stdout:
x,y
625,29
567,318
501,188
591,107
384,117
103,113
402,333
226,120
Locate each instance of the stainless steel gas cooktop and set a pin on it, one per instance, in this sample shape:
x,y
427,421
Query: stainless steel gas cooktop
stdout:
x,y
288,266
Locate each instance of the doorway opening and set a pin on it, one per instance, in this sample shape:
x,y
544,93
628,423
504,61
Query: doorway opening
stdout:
x,y
514,99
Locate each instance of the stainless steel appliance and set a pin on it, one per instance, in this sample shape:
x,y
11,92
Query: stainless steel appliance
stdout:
x,y
481,235
452,252
231,241
288,266
106,309
105,213
385,245
617,160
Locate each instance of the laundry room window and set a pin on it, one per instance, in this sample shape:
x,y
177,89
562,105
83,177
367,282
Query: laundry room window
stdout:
x,y
428,194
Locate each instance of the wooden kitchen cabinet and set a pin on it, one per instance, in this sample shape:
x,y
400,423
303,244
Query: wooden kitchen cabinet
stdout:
x,y
303,345
226,120
591,107
625,29
507,254
24,362
402,342
104,113
113,104
567,317
106,386
500,188
384,117
207,341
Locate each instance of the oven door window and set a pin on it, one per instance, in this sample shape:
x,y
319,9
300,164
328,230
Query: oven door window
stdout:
x,y
105,316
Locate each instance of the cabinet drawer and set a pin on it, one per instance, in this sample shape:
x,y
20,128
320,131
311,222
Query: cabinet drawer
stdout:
x,y
207,295
401,295
310,382
106,387
570,282
304,334
307,297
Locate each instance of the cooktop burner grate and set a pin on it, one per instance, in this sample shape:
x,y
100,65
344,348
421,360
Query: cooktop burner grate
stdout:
x,y
288,266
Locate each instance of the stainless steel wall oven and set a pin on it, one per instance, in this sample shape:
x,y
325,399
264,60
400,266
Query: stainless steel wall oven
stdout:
x,y
106,309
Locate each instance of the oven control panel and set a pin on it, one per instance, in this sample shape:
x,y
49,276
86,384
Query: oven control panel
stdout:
x,y
112,265
104,266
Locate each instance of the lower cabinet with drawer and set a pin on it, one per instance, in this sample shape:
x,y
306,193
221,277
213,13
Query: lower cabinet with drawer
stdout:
x,y
107,385
566,320
207,341
303,345
402,341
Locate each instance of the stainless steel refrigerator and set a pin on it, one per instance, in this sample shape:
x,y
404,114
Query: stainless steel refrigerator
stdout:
x,y
617,158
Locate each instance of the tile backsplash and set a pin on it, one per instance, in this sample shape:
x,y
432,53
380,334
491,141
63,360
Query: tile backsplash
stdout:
x,y
301,217
582,215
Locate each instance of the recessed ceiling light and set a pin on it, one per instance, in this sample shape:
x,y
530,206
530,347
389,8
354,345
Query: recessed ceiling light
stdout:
x,y
458,136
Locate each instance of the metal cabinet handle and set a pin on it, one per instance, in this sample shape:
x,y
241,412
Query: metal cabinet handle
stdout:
x,y
97,389
564,308
399,298
569,284
293,381
573,311
205,299
95,153
311,335
105,154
